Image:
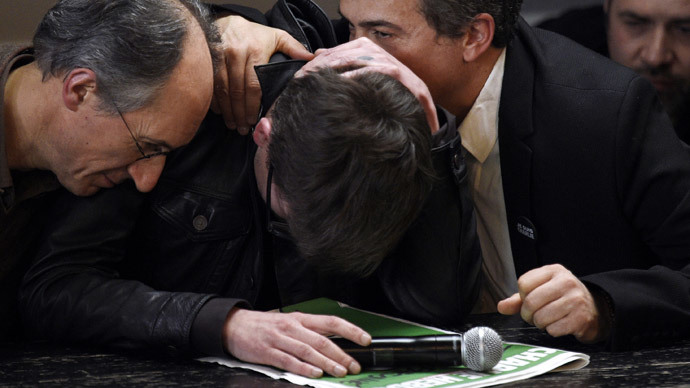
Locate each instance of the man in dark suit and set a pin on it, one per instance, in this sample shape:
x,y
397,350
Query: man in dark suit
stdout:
x,y
649,36
580,185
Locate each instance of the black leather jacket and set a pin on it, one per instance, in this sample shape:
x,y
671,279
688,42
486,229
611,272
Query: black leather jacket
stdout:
x,y
163,269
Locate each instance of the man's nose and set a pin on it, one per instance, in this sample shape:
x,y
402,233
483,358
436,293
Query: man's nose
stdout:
x,y
356,33
145,172
658,50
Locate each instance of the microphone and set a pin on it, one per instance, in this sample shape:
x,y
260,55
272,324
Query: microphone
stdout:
x,y
479,349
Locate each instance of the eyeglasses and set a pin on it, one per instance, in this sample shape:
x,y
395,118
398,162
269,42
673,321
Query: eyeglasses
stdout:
x,y
276,228
141,150
136,142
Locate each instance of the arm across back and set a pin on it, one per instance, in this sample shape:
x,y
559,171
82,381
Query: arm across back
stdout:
x,y
128,269
74,292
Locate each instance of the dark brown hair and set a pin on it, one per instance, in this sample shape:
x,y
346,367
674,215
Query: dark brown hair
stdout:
x,y
352,158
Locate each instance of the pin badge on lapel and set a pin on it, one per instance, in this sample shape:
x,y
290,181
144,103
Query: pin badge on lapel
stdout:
x,y
526,228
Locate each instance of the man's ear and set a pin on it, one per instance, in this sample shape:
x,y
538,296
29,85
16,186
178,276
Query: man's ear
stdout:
x,y
78,84
262,132
478,37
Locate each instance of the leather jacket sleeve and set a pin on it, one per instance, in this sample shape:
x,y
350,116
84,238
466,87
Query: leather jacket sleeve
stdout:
x,y
74,292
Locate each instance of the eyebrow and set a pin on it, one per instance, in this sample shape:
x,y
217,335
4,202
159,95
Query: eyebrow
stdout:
x,y
680,21
631,14
634,15
373,23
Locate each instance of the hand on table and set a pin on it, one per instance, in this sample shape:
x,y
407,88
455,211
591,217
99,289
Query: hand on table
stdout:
x,y
245,44
364,55
553,299
294,342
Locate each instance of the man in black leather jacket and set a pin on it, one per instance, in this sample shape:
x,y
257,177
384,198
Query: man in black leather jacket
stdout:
x,y
178,266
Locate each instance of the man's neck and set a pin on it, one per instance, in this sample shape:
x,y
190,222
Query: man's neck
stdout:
x,y
26,107
470,86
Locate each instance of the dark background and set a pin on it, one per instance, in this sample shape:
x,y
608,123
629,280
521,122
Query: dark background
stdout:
x,y
18,18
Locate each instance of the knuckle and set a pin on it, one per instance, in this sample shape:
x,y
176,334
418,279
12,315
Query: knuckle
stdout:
x,y
253,84
285,325
537,322
528,304
554,331
220,89
303,351
236,93
283,36
570,282
283,360
332,321
559,267
255,54
295,315
321,342
522,283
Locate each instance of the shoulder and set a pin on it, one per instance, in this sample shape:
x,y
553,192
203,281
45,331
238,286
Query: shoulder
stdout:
x,y
559,62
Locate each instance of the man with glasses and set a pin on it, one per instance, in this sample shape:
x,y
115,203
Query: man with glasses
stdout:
x,y
344,192
105,92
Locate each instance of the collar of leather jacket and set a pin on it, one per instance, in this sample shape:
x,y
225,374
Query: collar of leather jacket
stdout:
x,y
306,22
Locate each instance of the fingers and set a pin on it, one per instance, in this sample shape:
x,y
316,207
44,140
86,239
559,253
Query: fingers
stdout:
x,y
252,104
536,277
242,88
548,314
364,56
305,352
288,362
289,46
350,54
245,45
330,325
553,299
294,342
510,305
221,92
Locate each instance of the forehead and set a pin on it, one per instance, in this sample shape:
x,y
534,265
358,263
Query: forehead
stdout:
x,y
182,103
653,9
401,12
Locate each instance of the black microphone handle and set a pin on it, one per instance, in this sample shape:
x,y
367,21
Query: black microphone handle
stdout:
x,y
386,352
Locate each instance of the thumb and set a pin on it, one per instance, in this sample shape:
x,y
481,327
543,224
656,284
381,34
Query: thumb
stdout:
x,y
289,46
510,305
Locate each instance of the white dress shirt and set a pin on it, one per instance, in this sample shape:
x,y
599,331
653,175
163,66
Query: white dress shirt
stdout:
x,y
479,133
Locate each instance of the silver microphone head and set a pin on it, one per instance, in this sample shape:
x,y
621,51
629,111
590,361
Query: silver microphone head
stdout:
x,y
482,348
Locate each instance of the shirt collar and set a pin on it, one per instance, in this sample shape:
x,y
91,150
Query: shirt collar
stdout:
x,y
7,189
479,129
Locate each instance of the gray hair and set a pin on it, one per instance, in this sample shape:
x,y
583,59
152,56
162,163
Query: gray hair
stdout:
x,y
132,45
450,17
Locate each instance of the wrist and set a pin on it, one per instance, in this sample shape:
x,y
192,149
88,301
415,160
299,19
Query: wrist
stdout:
x,y
605,312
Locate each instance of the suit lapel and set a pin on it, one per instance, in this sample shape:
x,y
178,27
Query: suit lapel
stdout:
x,y
515,127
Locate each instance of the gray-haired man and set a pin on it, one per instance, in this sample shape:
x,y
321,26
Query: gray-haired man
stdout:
x,y
105,92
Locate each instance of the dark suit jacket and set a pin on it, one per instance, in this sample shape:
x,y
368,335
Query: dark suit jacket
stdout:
x,y
595,179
